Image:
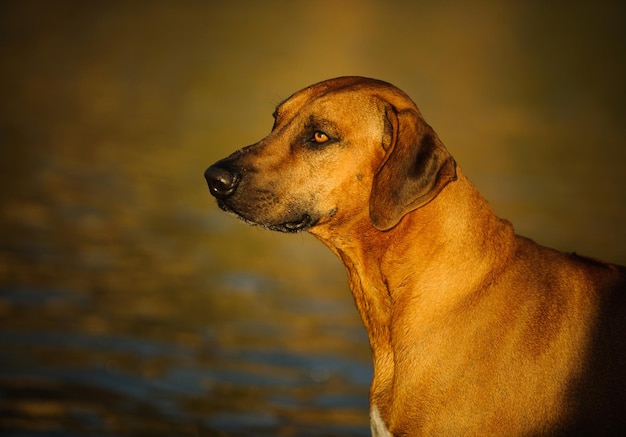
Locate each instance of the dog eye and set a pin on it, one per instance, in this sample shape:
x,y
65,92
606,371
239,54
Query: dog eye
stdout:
x,y
320,137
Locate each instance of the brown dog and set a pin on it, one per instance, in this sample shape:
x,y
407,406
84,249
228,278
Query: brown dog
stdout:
x,y
474,330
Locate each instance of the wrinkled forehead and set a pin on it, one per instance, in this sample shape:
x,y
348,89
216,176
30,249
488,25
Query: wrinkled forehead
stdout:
x,y
344,95
336,105
328,87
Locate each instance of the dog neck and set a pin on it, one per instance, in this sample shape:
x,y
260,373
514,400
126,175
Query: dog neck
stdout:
x,y
458,244
457,225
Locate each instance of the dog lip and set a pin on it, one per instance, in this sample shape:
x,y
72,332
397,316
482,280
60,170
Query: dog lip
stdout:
x,y
304,223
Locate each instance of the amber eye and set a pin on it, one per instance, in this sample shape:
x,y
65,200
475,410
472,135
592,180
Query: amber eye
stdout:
x,y
320,137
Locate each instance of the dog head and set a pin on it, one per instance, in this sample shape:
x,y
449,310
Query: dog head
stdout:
x,y
338,150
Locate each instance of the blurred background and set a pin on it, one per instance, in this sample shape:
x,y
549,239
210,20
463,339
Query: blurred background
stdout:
x,y
130,305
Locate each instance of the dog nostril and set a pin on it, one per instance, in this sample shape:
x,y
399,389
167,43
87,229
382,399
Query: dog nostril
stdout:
x,y
221,182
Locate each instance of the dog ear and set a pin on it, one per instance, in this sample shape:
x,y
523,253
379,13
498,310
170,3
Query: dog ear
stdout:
x,y
416,168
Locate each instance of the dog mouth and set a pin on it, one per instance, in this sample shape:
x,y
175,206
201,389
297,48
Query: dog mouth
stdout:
x,y
300,224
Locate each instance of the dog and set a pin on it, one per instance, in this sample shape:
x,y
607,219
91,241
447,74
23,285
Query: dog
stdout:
x,y
474,330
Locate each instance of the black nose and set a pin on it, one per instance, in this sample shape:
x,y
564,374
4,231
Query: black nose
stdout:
x,y
222,182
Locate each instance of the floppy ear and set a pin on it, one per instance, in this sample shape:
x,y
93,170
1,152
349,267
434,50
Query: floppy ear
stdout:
x,y
415,170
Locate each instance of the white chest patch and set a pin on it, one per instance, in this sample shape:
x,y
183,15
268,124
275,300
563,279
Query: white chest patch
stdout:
x,y
377,424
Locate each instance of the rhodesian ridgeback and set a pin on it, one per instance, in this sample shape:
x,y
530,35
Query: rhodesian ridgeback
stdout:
x,y
474,330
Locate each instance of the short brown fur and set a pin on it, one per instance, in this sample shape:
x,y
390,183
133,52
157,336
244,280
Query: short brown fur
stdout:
x,y
474,330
